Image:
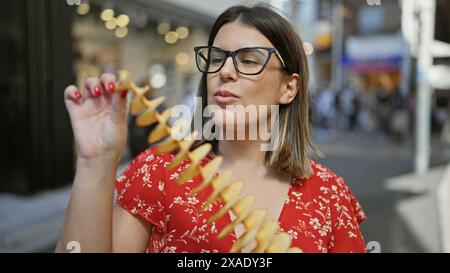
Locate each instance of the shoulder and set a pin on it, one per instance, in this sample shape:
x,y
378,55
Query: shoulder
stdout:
x,y
147,160
325,184
151,155
142,172
141,189
322,176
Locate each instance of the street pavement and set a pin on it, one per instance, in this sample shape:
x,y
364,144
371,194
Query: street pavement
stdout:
x,y
401,221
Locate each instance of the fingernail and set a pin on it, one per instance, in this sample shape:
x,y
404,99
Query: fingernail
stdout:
x,y
111,87
78,95
124,94
97,91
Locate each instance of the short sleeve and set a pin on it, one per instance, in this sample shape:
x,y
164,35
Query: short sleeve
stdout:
x,y
346,217
140,188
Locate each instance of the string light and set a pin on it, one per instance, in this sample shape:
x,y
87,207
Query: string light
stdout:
x,y
111,24
107,14
163,28
309,48
171,37
182,58
118,24
182,32
122,20
83,9
121,32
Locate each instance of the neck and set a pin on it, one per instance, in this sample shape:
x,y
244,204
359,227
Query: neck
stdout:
x,y
238,151
245,156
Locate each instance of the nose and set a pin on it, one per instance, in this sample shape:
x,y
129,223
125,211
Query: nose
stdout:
x,y
228,71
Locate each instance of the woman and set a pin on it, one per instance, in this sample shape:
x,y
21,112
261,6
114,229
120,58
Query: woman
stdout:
x,y
253,57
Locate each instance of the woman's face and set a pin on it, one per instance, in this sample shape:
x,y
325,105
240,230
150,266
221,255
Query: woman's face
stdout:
x,y
267,88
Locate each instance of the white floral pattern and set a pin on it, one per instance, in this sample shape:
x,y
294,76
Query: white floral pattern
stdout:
x,y
320,214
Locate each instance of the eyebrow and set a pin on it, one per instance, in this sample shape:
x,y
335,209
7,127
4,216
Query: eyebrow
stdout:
x,y
246,46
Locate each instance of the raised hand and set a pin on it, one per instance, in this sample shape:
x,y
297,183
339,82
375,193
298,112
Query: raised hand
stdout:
x,y
98,117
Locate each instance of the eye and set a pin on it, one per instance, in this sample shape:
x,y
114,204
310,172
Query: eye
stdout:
x,y
216,60
249,61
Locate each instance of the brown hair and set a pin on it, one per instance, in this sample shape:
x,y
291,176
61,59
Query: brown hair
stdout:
x,y
291,153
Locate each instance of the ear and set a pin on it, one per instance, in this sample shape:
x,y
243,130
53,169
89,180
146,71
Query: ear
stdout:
x,y
289,89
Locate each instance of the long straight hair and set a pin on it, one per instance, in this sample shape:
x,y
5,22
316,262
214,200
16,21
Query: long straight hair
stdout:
x,y
290,155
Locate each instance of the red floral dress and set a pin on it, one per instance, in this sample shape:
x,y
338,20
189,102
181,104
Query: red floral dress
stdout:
x,y
320,213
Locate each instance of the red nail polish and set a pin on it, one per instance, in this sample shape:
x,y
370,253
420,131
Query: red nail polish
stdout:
x,y
111,87
97,91
124,94
78,95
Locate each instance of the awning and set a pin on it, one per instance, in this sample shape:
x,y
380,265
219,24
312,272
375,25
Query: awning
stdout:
x,y
377,53
372,65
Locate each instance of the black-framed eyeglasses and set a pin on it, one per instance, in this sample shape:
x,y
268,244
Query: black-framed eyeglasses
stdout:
x,y
247,61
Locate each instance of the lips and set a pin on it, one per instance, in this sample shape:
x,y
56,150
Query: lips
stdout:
x,y
225,93
223,96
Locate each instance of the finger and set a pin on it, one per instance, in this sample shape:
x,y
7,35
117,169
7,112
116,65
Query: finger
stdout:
x,y
72,93
109,82
120,97
119,105
92,87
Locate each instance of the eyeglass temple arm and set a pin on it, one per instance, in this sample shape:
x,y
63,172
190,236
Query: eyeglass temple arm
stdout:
x,y
203,56
279,57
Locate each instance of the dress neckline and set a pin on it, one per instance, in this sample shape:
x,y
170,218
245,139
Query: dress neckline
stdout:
x,y
284,208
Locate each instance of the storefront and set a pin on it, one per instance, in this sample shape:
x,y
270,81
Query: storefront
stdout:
x,y
48,45
36,138
157,49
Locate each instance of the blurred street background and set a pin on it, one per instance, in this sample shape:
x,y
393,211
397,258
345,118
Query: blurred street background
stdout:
x,y
380,89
